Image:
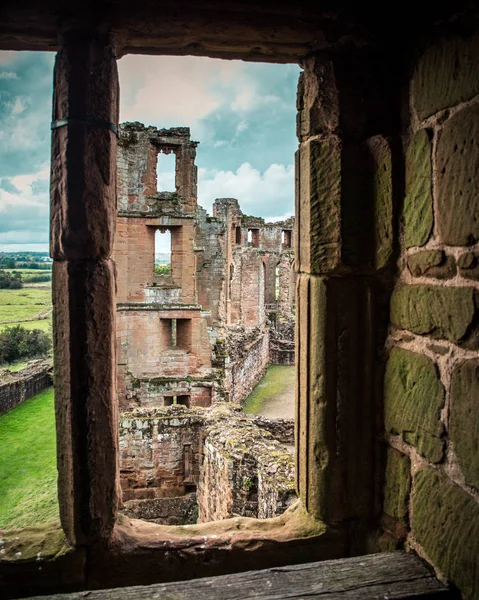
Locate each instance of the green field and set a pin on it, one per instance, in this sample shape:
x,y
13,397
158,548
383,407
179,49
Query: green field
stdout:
x,y
43,324
28,474
18,305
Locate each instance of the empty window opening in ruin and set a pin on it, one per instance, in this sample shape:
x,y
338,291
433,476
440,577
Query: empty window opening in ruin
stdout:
x,y
176,333
276,282
253,237
183,400
286,238
165,170
238,236
162,251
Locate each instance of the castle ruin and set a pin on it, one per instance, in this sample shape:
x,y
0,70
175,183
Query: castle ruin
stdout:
x,y
202,333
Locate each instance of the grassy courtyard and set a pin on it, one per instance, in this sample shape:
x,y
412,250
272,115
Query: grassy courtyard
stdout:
x,y
273,397
28,474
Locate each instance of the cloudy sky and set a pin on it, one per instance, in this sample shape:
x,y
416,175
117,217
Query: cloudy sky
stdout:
x,y
243,115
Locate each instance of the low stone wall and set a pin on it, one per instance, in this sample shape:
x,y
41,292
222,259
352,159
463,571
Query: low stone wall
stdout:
x,y
159,452
180,510
235,466
281,341
281,429
250,349
15,388
245,471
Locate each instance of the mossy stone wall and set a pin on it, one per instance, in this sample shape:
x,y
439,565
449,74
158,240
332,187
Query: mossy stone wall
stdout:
x,y
431,382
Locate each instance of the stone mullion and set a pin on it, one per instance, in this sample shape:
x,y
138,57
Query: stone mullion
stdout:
x,y
336,256
83,212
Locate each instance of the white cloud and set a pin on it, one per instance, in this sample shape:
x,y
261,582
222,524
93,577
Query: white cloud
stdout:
x,y
8,75
261,194
24,215
170,89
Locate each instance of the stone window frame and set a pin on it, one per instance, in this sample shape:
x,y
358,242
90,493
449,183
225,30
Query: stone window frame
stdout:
x,y
334,316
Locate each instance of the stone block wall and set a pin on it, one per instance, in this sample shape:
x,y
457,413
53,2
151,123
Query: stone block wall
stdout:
x,y
159,453
235,465
431,385
245,471
248,352
15,388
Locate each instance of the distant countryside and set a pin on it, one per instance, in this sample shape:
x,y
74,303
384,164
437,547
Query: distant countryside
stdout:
x,y
25,308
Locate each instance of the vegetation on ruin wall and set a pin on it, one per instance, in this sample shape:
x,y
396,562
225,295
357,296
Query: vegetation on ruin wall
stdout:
x,y
277,380
28,473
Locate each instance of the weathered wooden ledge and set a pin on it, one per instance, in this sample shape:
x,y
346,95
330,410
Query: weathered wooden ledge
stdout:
x,y
381,576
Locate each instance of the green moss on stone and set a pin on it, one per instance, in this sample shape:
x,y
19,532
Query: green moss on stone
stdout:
x,y
432,263
446,74
397,486
383,200
413,399
457,182
319,214
464,419
440,312
445,522
418,212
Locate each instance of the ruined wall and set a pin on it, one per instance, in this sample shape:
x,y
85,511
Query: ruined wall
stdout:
x,y
245,471
432,377
15,388
159,453
248,352
180,464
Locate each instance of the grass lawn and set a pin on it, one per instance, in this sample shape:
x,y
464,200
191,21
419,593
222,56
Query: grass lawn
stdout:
x,y
28,473
278,380
43,324
18,305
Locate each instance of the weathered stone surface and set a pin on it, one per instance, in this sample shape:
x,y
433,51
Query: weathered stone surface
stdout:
x,y
464,419
83,166
445,521
457,164
413,399
380,154
318,102
446,75
334,422
318,209
432,263
443,313
418,214
85,398
397,486
468,265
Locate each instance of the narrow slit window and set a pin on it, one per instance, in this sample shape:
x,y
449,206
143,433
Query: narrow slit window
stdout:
x,y
162,252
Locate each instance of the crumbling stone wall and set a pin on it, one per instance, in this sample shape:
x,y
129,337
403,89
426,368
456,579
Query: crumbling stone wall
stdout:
x,y
248,359
215,292
431,382
17,387
232,465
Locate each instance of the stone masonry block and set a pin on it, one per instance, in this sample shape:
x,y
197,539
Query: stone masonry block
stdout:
x,y
83,166
418,213
432,263
335,399
440,312
85,397
457,164
318,206
397,486
413,399
446,74
468,265
318,101
464,419
445,521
